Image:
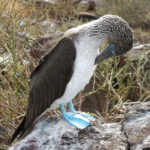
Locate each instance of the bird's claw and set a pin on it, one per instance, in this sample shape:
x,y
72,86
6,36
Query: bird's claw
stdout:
x,y
86,115
77,120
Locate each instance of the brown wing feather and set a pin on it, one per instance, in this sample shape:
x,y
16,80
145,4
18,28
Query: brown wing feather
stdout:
x,y
48,81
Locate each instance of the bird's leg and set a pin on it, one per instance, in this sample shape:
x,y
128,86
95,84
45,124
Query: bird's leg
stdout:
x,y
72,109
74,119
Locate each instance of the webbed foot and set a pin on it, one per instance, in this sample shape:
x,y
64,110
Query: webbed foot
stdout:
x,y
88,116
75,119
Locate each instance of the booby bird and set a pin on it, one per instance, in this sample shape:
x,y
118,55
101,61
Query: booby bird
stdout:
x,y
69,66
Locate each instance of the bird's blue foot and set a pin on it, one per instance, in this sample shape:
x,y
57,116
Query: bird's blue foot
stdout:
x,y
75,119
87,115
71,108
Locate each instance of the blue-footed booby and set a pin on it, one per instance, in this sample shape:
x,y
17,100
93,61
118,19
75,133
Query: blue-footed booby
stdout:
x,y
69,66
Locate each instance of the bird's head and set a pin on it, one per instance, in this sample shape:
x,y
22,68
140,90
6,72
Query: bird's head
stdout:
x,y
118,36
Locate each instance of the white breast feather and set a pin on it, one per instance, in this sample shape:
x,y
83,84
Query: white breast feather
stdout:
x,y
83,70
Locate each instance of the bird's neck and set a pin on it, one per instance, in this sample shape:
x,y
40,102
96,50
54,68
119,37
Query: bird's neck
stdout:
x,y
90,33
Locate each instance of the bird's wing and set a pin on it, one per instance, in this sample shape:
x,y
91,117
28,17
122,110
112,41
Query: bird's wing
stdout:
x,y
49,80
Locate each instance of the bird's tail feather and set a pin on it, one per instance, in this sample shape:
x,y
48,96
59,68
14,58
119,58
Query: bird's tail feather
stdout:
x,y
18,130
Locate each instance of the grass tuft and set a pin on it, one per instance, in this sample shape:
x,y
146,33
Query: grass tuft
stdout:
x,y
135,11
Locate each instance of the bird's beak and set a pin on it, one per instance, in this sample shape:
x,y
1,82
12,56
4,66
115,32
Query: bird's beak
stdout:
x,y
108,52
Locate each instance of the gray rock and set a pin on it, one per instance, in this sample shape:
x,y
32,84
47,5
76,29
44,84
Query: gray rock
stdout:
x,y
137,127
5,58
133,133
87,16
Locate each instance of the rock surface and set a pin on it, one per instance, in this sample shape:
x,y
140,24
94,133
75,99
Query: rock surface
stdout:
x,y
136,127
133,133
